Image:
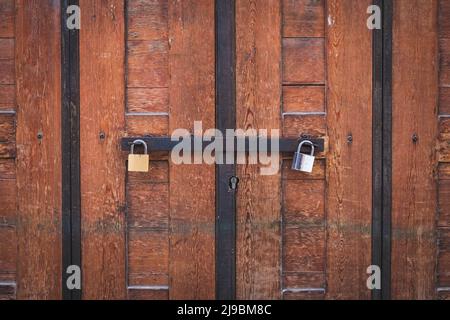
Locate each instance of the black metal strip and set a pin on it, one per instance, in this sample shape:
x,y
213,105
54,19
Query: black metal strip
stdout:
x,y
70,140
225,119
286,145
377,148
382,149
387,147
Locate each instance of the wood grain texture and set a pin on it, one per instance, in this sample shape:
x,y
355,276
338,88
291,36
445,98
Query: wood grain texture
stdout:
x,y
147,63
6,49
7,97
444,203
304,295
8,192
303,18
7,17
38,52
148,257
303,99
444,101
304,203
415,92
443,142
444,50
303,61
7,75
317,174
147,100
444,21
102,106
148,294
147,19
349,173
443,266
138,125
295,126
258,85
192,196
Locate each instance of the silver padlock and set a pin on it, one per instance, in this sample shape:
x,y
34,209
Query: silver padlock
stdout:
x,y
304,162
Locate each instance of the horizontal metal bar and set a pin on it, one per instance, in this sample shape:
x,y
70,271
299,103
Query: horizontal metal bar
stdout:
x,y
166,144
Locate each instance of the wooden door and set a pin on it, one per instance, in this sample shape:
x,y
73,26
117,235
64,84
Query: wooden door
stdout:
x,y
378,194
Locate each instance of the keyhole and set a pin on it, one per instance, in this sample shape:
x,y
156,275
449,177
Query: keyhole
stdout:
x,y
234,181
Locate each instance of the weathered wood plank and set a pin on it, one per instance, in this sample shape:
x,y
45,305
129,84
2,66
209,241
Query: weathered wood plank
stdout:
x,y
138,125
415,94
304,295
148,257
304,99
304,203
7,17
38,55
7,72
6,49
444,49
102,104
303,61
444,21
8,202
303,280
192,196
148,205
349,199
443,267
147,100
7,97
444,101
8,254
147,64
148,294
444,203
304,249
303,18
317,174
147,19
258,53
294,126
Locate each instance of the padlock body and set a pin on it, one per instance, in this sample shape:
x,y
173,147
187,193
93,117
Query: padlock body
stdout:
x,y
303,162
138,162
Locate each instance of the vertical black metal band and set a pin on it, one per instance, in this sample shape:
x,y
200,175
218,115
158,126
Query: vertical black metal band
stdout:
x,y
377,148
70,141
387,148
381,148
225,119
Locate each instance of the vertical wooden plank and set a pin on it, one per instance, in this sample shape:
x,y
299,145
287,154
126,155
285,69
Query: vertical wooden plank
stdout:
x,y
350,160
258,96
415,95
38,68
192,196
102,105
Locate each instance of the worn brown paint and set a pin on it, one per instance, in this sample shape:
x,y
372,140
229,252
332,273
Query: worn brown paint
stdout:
x,y
102,108
258,85
192,196
38,68
415,93
349,165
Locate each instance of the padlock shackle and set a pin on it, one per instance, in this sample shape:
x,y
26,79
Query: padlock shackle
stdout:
x,y
307,142
139,141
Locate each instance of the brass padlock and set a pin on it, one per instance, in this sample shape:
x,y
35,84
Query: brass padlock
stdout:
x,y
138,162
